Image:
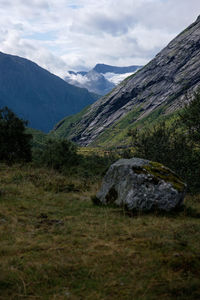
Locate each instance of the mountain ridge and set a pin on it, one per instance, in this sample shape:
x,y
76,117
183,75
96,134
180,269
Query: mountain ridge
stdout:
x,y
104,68
37,95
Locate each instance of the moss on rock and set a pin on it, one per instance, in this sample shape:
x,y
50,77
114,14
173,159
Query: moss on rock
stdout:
x,y
158,170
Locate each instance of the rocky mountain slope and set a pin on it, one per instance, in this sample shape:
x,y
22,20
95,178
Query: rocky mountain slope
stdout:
x,y
161,87
101,79
37,95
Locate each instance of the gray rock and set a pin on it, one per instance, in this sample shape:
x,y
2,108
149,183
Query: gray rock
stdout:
x,y
140,184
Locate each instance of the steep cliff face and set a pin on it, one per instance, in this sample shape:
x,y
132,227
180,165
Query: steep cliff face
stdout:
x,y
168,80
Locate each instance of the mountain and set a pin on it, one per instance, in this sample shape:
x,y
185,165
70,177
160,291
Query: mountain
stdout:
x,y
102,68
92,80
161,87
36,95
101,79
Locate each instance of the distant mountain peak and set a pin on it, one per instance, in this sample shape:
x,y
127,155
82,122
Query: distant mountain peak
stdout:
x,y
103,68
101,79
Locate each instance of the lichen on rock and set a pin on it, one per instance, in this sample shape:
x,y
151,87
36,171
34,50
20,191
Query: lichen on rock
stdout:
x,y
142,185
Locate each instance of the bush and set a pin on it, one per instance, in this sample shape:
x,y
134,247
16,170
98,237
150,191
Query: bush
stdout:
x,y
95,165
57,154
153,143
62,156
14,142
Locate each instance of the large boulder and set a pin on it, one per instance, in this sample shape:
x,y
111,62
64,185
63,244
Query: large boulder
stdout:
x,y
140,184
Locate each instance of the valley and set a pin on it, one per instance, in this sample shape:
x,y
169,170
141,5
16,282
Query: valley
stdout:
x,y
99,169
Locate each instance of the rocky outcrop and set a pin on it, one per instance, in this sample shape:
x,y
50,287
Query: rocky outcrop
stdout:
x,y
170,79
140,184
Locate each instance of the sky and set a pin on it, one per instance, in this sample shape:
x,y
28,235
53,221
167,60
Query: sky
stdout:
x,y
62,35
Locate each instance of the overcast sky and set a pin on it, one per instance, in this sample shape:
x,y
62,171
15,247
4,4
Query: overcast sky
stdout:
x,y
63,35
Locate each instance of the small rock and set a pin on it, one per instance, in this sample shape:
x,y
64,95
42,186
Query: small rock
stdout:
x,y
2,220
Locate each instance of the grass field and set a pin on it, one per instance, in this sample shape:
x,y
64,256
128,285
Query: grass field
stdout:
x,y
55,244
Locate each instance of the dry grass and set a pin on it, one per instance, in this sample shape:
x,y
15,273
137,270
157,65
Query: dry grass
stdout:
x,y
55,244
103,152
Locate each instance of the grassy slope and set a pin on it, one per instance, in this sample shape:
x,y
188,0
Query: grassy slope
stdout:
x,y
56,245
118,133
66,127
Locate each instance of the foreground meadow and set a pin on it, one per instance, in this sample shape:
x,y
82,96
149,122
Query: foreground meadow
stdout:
x,y
56,244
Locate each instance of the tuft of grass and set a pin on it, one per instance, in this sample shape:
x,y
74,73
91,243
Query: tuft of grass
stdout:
x,y
56,244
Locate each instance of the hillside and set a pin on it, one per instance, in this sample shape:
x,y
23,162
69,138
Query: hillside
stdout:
x,y
36,95
161,87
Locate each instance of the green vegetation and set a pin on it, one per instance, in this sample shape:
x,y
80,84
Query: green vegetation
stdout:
x,y
57,154
190,118
66,127
55,244
14,141
118,134
64,156
158,171
38,137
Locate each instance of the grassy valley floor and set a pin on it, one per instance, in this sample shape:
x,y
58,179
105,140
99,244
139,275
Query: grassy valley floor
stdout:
x,y
55,244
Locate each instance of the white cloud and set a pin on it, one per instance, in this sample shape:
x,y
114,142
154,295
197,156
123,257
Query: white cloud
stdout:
x,y
72,34
116,78
77,78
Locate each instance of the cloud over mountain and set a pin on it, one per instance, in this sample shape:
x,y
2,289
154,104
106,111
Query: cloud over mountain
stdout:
x,y
61,35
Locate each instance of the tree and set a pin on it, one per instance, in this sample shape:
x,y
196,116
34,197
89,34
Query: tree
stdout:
x,y
190,119
172,147
14,142
152,143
